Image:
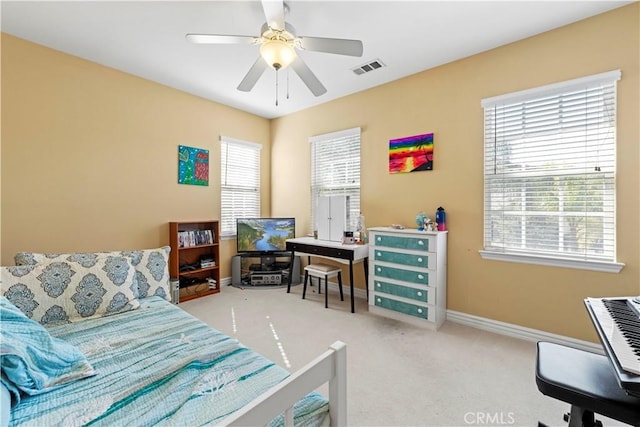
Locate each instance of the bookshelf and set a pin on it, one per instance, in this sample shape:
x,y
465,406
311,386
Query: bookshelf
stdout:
x,y
195,257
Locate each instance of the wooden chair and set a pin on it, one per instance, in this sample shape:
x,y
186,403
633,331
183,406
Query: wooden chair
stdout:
x,y
322,271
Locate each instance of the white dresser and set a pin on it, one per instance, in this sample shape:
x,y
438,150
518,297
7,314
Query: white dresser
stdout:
x,y
408,275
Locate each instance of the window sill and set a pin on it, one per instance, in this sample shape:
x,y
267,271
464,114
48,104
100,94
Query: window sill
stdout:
x,y
606,267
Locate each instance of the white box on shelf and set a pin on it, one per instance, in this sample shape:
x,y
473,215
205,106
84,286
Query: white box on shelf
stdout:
x,y
332,217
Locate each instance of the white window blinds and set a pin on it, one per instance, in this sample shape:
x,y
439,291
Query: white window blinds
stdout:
x,y
549,170
240,182
335,169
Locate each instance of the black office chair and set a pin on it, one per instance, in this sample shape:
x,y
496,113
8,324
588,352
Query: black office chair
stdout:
x,y
587,382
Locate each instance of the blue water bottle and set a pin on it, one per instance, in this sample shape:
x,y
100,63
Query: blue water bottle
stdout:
x,y
441,219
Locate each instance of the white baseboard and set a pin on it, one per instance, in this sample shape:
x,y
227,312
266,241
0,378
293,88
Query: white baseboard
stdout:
x,y
521,332
485,324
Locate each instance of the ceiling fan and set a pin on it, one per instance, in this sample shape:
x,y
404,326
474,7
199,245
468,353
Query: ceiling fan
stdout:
x,y
278,43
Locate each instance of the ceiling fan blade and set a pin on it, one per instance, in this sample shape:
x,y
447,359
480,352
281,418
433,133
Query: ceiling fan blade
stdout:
x,y
274,12
220,39
307,76
253,75
338,46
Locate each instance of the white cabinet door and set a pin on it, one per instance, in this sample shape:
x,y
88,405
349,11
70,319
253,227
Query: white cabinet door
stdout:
x,y
323,214
331,217
338,214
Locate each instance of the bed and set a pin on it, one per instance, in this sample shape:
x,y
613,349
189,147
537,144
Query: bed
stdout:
x,y
158,365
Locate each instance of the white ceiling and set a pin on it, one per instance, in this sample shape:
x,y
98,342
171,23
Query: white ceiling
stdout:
x,y
146,38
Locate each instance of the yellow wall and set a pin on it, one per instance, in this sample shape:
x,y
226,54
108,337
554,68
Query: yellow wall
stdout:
x,y
89,161
446,101
89,155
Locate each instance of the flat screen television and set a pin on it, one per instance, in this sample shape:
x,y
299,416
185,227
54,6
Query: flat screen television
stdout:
x,y
264,235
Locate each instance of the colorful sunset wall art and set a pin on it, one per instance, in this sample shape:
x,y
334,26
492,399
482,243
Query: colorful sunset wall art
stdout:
x,y
411,153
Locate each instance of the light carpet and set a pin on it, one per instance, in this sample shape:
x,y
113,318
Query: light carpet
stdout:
x,y
398,374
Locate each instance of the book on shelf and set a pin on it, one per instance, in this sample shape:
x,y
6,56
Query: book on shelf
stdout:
x,y
191,238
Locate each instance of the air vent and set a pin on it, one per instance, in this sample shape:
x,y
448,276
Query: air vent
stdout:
x,y
369,66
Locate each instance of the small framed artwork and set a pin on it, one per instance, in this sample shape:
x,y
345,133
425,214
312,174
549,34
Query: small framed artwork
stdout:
x,y
411,153
193,165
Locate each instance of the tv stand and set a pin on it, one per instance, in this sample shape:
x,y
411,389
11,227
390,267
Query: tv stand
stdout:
x,y
267,268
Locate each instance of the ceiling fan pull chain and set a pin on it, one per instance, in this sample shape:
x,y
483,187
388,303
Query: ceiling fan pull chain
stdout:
x,y
276,87
287,83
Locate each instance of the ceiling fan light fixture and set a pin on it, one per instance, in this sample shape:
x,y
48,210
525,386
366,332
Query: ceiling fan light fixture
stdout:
x,y
279,54
278,48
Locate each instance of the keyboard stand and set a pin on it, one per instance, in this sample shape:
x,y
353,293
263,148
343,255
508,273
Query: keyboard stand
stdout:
x,y
587,382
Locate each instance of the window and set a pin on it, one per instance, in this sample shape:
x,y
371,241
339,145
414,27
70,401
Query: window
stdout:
x,y
240,183
335,169
549,175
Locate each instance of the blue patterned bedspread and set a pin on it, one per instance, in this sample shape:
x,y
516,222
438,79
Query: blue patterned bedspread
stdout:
x,y
159,366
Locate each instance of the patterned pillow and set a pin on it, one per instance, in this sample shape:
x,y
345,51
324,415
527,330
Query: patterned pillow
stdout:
x,y
61,292
151,267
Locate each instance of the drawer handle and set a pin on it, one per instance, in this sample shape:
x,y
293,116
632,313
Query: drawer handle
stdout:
x,y
420,242
377,284
379,269
419,293
379,253
379,239
420,310
379,300
420,276
420,259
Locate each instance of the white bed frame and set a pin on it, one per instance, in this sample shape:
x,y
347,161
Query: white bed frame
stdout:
x,y
330,366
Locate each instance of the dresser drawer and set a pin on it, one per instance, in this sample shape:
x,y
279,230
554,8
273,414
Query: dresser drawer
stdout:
x,y
418,277
421,295
422,260
402,242
402,307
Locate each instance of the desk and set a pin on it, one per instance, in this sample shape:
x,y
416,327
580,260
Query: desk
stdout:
x,y
333,250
